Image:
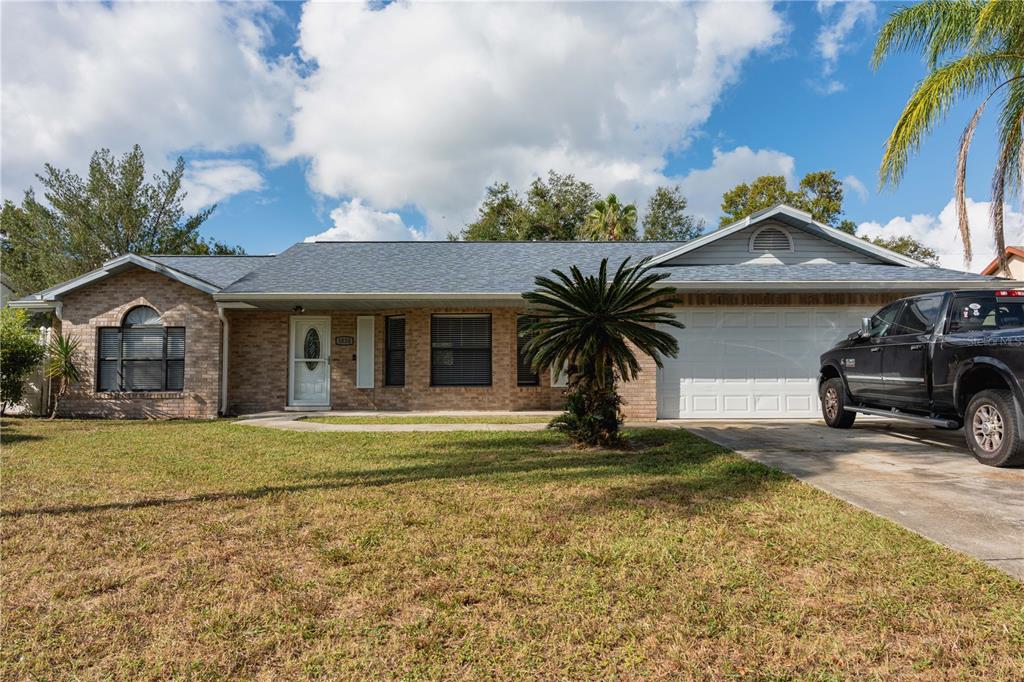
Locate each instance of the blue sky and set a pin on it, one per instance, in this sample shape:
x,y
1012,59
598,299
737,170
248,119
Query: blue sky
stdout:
x,y
334,120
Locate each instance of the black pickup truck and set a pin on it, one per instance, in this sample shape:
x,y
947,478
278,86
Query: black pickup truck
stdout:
x,y
952,359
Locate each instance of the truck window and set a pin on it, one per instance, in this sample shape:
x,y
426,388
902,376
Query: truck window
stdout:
x,y
984,313
919,316
883,319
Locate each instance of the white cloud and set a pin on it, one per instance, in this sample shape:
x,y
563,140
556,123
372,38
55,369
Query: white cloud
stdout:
x,y
704,187
169,76
940,232
425,104
354,221
212,181
835,33
852,182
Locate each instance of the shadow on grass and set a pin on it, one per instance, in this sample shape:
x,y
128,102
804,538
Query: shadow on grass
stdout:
x,y
685,467
9,433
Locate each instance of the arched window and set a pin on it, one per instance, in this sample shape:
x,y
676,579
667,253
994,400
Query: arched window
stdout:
x,y
770,239
141,355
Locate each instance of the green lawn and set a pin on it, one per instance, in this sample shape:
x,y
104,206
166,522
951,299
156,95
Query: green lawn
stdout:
x,y
433,419
209,550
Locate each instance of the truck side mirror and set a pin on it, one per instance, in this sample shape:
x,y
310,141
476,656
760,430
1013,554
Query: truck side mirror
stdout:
x,y
865,326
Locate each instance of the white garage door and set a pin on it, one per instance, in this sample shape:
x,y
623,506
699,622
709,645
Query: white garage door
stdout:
x,y
750,362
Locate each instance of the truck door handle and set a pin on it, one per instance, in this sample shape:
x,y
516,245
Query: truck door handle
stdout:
x,y
917,346
876,349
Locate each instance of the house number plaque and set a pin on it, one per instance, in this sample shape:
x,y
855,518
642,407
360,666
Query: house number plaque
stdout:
x,y
343,340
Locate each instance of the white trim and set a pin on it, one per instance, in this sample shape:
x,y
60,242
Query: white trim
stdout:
x,y
107,268
855,243
325,351
777,228
34,305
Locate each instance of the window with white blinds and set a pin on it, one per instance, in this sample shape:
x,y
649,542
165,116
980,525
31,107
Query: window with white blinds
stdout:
x,y
140,355
394,351
525,376
460,350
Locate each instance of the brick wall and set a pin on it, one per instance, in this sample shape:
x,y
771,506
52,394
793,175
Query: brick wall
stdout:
x,y
104,304
258,365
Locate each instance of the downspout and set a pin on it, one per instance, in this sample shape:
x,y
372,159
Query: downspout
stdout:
x,y
222,408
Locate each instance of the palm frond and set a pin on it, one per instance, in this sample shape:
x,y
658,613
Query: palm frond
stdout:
x,y
936,28
931,101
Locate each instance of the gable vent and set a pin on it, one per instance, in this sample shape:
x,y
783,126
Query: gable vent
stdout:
x,y
769,239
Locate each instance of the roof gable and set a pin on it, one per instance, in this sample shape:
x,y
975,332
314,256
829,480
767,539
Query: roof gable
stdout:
x,y
823,244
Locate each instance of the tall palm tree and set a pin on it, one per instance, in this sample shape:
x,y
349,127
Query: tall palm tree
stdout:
x,y
610,220
594,326
973,48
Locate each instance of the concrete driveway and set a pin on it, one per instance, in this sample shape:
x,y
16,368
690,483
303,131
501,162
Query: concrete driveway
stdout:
x,y
922,478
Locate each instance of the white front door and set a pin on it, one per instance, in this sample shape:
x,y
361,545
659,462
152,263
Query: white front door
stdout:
x,y
309,371
745,362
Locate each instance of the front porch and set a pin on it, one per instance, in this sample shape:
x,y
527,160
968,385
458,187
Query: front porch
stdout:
x,y
410,360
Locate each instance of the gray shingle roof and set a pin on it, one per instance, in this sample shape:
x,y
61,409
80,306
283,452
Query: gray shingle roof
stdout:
x,y
510,267
429,267
219,271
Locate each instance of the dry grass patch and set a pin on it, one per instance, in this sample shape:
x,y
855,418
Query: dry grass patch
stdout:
x,y
206,550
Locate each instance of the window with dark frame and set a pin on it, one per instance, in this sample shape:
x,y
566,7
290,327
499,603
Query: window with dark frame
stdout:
x,y
140,355
460,350
394,351
525,376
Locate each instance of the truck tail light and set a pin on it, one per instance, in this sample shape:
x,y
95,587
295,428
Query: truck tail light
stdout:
x,y
1013,293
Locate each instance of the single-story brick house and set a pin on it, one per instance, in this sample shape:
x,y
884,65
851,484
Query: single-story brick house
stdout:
x,y
433,325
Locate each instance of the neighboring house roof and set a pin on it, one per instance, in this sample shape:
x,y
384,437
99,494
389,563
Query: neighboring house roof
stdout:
x,y
993,267
801,220
429,267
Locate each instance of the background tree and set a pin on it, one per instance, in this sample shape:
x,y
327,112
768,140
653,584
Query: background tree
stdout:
x,y
908,246
591,324
62,366
85,221
666,218
553,208
611,220
820,194
20,353
972,49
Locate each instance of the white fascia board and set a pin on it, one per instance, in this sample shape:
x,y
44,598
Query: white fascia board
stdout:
x,y
371,296
33,305
853,242
834,285
106,269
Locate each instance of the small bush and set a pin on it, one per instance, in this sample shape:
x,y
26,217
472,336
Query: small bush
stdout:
x,y
20,353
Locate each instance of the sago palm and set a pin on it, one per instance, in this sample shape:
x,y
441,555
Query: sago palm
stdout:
x,y
973,48
610,220
594,326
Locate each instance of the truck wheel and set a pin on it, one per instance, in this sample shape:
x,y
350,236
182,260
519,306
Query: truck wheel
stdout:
x,y
991,428
833,400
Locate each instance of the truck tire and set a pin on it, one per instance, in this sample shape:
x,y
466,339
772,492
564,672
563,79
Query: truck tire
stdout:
x,y
991,427
833,400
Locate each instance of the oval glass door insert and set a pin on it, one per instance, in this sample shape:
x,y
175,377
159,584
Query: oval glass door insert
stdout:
x,y
311,347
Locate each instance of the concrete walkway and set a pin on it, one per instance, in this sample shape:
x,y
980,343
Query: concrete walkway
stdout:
x,y
295,421
922,478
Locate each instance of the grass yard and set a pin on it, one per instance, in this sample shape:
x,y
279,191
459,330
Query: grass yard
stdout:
x,y
207,551
432,419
